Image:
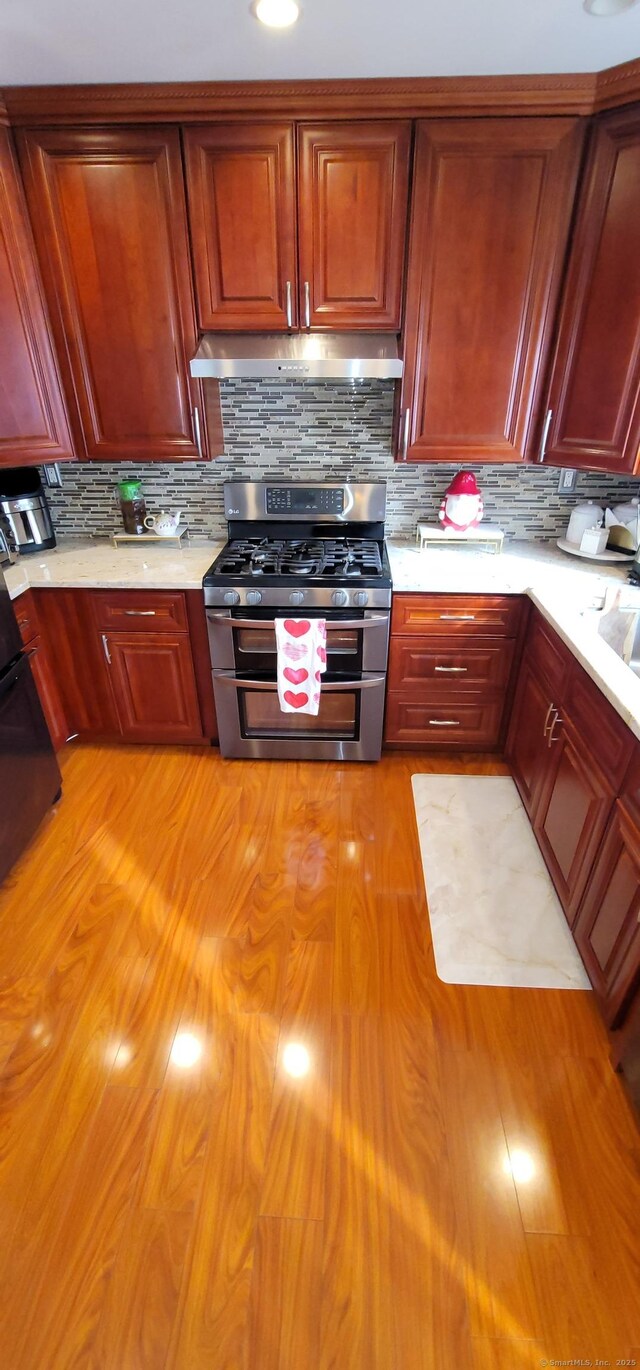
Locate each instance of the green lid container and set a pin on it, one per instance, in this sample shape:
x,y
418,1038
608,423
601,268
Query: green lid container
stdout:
x,y
130,489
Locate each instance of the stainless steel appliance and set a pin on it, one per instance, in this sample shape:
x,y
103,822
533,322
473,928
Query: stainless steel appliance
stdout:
x,y
25,511
29,775
298,356
303,551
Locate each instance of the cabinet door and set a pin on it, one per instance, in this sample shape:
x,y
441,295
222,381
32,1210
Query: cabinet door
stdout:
x,y
242,214
526,749
490,219
154,686
46,685
572,815
74,649
595,387
33,423
607,929
352,215
109,217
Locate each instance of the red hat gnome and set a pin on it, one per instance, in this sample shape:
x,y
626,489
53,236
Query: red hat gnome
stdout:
x,y
462,506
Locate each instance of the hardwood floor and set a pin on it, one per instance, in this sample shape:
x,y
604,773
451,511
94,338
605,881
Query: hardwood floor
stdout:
x,y
243,1126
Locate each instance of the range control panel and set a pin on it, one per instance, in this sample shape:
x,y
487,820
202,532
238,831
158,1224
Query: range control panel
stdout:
x,y
303,499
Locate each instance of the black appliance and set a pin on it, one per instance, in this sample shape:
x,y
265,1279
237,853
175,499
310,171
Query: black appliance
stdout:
x,y
310,550
24,510
29,776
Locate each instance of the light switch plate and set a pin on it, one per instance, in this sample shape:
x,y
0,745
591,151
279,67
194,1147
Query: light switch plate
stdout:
x,y
567,482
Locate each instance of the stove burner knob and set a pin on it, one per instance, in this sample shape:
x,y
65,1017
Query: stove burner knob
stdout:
x,y
361,598
296,597
254,597
339,597
231,597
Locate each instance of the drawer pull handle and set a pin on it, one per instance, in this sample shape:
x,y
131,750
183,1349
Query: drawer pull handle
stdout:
x,y
22,622
444,722
140,613
105,648
453,670
457,618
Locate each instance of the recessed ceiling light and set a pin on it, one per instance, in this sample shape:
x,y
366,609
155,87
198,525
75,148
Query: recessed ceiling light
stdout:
x,y
604,9
278,14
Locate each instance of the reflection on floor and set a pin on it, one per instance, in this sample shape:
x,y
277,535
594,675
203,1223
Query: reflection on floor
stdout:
x,y
245,1127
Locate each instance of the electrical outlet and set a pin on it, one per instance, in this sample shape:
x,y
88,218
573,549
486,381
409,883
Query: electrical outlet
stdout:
x,y
567,482
52,476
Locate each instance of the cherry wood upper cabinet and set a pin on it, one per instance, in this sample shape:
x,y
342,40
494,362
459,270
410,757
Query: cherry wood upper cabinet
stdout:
x,y
594,395
490,219
242,212
109,216
33,423
352,198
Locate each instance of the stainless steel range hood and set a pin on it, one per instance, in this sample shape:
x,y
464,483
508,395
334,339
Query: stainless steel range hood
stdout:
x,y
310,356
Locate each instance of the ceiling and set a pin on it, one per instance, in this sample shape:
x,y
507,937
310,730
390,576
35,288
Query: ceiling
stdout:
x,y
51,41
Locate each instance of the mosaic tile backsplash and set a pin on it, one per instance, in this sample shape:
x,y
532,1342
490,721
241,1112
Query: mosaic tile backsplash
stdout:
x,y
319,431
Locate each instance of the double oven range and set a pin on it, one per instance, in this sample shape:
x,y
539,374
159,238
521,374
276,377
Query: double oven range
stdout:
x,y
300,551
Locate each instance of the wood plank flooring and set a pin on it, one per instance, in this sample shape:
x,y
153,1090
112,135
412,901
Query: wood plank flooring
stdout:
x,y
243,1125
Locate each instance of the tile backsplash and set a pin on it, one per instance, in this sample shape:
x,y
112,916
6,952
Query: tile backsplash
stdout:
x,y
319,431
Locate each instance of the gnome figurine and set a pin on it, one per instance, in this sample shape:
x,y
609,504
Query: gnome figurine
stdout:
x,y
462,506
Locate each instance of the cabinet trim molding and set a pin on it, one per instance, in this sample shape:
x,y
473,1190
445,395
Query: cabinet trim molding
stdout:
x,y
195,101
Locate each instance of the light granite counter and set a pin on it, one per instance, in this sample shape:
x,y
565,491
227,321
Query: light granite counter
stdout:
x,y
560,587
96,564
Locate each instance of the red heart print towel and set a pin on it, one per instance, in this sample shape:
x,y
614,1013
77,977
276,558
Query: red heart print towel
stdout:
x,y
302,658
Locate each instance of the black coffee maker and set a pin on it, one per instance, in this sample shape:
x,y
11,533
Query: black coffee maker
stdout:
x,y
24,511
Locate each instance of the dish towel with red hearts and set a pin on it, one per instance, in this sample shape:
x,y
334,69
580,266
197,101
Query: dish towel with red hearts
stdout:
x,y
302,659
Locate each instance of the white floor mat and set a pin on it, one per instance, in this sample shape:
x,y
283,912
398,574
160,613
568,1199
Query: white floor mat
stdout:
x,y
495,916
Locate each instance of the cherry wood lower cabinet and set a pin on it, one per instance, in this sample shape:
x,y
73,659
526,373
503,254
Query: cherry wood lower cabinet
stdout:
x,y
568,752
451,663
607,929
154,686
572,815
42,667
146,679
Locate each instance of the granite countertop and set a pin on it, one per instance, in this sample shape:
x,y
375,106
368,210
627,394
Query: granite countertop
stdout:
x,y
561,588
94,563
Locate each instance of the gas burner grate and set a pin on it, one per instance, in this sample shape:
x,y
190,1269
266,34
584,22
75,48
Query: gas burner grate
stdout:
x,y
333,558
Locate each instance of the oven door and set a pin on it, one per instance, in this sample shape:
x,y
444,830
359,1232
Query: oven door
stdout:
x,y
348,725
244,642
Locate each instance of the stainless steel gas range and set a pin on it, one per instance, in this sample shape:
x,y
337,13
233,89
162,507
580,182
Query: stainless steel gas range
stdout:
x,y
300,551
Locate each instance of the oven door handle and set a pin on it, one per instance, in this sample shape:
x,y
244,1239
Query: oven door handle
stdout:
x,y
331,688
336,625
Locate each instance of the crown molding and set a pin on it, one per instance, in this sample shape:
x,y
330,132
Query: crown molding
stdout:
x,y
618,86
417,97
191,102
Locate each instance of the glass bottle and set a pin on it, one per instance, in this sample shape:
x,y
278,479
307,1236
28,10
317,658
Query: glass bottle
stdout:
x,y
132,506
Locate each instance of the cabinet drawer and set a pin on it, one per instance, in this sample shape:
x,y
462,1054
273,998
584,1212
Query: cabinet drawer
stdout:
x,y
550,658
464,615
26,617
463,723
132,611
448,665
